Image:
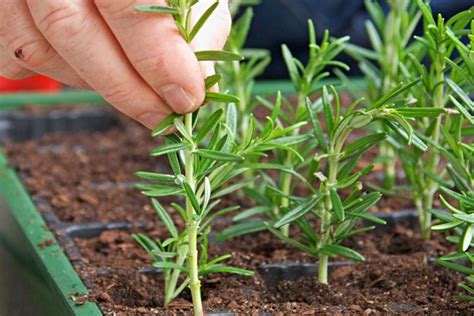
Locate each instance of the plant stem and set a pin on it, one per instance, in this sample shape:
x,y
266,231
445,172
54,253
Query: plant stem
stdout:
x,y
323,269
194,283
390,69
286,183
170,291
326,220
240,91
433,158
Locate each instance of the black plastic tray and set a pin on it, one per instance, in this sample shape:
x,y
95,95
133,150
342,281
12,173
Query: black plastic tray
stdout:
x,y
19,126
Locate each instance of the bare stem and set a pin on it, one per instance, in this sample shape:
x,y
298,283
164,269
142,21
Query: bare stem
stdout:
x,y
326,220
286,183
433,158
170,291
390,68
193,226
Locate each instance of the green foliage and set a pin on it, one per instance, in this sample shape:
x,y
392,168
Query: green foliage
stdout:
x,y
396,58
329,166
202,161
238,77
307,156
288,163
458,193
442,84
390,37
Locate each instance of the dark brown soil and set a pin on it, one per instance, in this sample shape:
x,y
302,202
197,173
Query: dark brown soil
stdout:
x,y
79,174
395,279
74,172
86,175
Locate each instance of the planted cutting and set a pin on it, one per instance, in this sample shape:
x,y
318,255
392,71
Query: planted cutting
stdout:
x,y
303,169
458,191
238,77
204,156
390,36
438,85
327,216
271,195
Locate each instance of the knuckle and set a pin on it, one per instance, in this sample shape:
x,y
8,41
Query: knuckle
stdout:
x,y
64,20
118,94
152,63
115,7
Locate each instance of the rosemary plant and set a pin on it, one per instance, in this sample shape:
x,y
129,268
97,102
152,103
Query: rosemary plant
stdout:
x,y
239,76
460,218
439,41
390,37
272,198
204,158
459,154
333,168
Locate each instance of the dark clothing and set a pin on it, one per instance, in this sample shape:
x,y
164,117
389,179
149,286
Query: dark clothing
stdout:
x,y
284,21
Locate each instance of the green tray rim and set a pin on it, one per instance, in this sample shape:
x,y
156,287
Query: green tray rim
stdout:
x,y
52,260
84,97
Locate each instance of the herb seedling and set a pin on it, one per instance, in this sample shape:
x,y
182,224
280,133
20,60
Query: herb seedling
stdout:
x,y
460,218
199,180
239,76
390,37
333,168
438,43
273,200
459,154
204,157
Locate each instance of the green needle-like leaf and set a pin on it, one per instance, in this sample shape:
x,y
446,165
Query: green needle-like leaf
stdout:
x,y
169,148
164,125
209,125
217,268
202,20
337,204
150,8
297,212
192,197
211,81
218,55
170,265
165,218
218,155
220,98
336,250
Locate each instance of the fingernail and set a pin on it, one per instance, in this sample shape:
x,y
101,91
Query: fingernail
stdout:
x,y
177,98
151,119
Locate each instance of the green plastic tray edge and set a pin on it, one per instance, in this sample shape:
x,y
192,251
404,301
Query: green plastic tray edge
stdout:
x,y
54,262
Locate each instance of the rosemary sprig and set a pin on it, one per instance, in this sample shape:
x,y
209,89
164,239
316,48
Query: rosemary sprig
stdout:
x,y
436,91
204,155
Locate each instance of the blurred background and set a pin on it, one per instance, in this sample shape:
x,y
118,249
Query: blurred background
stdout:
x,y
284,21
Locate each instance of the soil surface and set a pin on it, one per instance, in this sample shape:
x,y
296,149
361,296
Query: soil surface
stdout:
x,y
398,277
84,176
89,178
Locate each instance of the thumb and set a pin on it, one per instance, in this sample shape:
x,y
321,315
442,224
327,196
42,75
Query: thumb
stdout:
x,y
213,34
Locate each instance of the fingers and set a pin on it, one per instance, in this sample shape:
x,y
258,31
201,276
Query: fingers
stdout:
x,y
157,51
213,34
215,31
78,33
27,48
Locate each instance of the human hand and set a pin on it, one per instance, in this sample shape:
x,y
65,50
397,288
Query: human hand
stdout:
x,y
138,62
